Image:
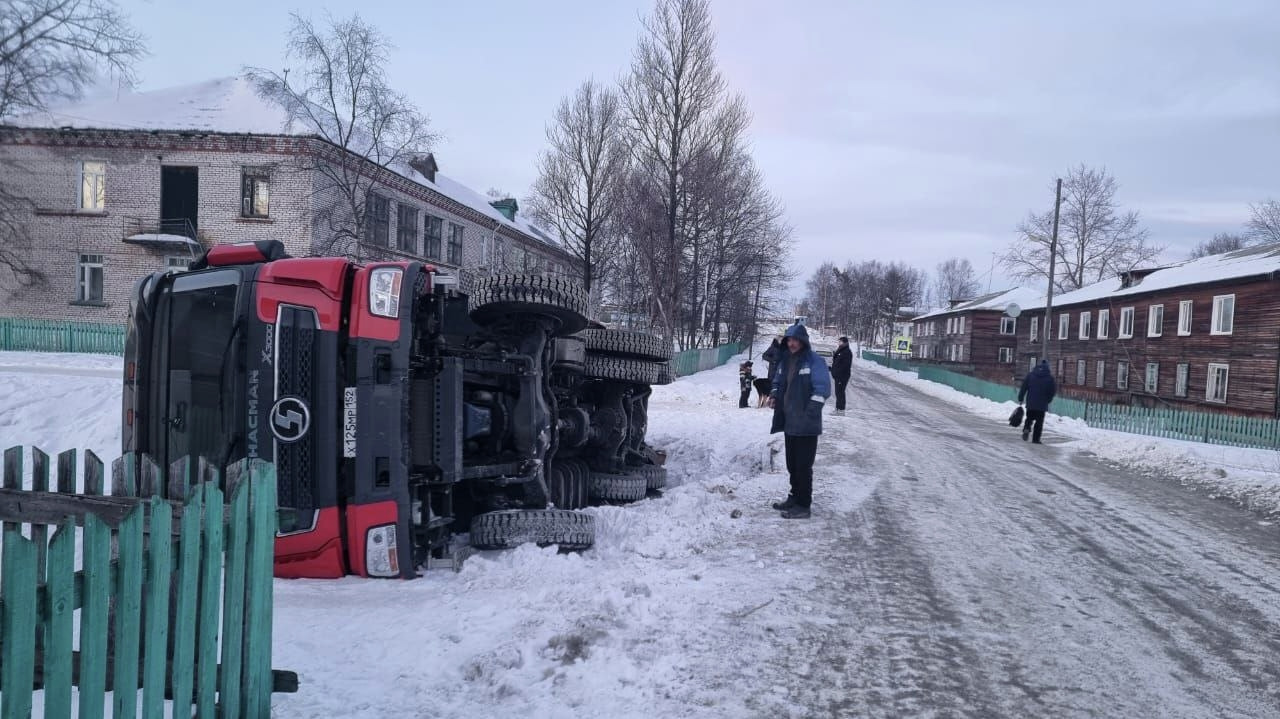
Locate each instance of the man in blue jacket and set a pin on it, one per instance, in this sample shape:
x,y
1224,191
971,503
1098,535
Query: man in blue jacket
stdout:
x,y
1038,388
800,388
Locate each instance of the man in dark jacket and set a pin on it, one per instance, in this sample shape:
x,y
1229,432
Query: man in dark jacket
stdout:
x,y
841,368
1038,389
772,355
800,388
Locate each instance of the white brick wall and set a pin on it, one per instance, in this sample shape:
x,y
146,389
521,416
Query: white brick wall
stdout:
x,y
44,166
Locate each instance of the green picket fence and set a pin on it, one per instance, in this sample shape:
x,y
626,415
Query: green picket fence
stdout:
x,y
31,335
696,360
898,363
173,589
1207,427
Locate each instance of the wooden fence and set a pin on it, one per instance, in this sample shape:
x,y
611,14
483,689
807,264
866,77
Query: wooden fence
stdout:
x,y
696,360
173,589
32,335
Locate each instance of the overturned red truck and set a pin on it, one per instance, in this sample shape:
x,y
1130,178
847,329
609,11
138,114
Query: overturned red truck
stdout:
x,y
398,411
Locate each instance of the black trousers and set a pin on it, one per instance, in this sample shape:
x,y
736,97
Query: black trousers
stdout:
x,y
1034,423
746,395
801,451
841,384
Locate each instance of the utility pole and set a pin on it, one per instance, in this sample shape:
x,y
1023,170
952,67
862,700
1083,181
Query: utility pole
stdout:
x,y
1053,256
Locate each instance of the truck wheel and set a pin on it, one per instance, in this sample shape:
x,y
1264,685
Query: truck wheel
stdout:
x,y
665,375
626,343
509,528
619,487
502,295
655,476
624,369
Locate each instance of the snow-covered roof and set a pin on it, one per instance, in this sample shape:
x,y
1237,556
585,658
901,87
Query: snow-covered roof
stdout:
x,y
1238,264
232,105
1021,296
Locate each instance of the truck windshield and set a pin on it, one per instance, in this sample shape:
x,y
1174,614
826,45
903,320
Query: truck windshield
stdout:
x,y
198,331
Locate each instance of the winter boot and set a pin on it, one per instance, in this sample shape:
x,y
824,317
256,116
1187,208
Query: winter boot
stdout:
x,y
785,504
1025,433
795,512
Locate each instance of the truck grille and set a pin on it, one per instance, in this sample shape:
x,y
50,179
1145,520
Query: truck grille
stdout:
x,y
297,335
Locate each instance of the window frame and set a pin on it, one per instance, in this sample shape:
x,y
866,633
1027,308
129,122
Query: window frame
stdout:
x,y
99,187
1211,382
1104,323
86,264
1061,372
377,219
1064,325
1181,379
407,229
1085,325
1082,373
1214,325
454,248
1101,380
1155,320
1126,313
1011,323
1186,308
1005,355
1122,374
1151,378
432,243
1035,329
251,178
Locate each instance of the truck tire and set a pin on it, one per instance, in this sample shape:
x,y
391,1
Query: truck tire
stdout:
x,y
618,487
665,375
625,343
623,369
512,527
655,476
502,295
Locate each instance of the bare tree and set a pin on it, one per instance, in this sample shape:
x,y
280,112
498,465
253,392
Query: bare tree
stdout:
x,y
1095,238
341,94
955,280
1263,225
1221,242
671,96
50,51
581,176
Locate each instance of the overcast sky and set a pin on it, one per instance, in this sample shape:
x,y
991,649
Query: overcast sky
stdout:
x,y
891,130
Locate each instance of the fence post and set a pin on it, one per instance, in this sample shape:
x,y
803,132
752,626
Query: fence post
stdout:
x,y
18,624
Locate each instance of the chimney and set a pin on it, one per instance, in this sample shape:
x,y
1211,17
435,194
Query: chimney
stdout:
x,y
507,206
425,165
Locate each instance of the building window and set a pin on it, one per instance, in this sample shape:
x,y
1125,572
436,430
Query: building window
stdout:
x,y
89,279
1100,379
1180,381
950,320
1064,325
455,244
1224,312
407,228
1104,324
177,263
1033,363
434,234
1085,318
1122,375
962,325
377,220
1060,374
93,186
1126,322
1184,318
1035,328
1008,325
1155,320
255,192
1215,389
1152,384
1006,354
1080,372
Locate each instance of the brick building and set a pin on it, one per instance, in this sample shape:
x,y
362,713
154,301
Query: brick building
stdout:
x,y
118,188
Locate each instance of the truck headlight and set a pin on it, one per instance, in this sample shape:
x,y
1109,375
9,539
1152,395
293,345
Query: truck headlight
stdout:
x,y
384,291
380,552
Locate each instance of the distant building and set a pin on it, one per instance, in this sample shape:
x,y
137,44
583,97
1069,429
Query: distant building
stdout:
x,y
122,187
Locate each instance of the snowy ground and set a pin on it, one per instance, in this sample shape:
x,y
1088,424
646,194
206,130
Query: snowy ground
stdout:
x,y
689,605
